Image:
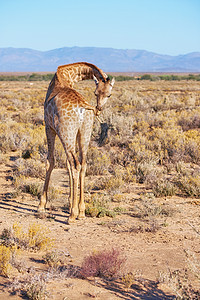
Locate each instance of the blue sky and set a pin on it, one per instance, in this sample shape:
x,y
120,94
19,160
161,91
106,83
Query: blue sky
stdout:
x,y
161,26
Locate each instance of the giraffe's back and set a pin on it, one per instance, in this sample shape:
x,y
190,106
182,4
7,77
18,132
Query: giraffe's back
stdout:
x,y
66,115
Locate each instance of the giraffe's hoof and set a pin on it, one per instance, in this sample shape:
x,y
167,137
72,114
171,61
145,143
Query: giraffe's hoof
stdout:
x,y
40,209
40,213
71,220
81,216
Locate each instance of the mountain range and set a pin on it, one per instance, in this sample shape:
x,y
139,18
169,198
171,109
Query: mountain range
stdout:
x,y
108,59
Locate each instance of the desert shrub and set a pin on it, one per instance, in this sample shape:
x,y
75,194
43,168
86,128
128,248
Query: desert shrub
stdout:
x,y
146,172
172,141
21,136
32,116
36,189
151,226
37,140
38,237
189,185
189,122
52,259
35,287
3,114
7,258
141,150
98,163
183,168
14,236
56,258
140,126
23,184
192,146
192,152
163,188
106,264
114,184
149,208
128,279
13,137
98,206
34,238
129,174
29,168
120,129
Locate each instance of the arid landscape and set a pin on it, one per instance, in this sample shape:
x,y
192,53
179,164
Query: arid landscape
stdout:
x,y
141,236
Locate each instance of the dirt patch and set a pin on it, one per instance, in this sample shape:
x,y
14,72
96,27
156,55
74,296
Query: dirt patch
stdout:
x,y
148,253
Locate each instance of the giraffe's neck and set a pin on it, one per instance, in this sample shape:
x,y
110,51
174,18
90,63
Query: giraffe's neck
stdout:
x,y
67,75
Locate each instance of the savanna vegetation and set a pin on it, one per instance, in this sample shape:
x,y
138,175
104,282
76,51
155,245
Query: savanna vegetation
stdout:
x,y
151,143
151,77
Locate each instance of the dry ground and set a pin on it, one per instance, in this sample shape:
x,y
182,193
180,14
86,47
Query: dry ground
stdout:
x,y
155,244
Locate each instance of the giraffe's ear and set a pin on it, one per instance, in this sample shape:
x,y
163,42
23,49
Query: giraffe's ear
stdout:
x,y
95,80
112,81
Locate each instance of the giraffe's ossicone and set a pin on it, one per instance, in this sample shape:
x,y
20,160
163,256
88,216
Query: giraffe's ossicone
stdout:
x,y
68,115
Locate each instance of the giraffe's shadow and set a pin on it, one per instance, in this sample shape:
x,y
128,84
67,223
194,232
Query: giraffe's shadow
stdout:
x,y
25,209
103,136
141,289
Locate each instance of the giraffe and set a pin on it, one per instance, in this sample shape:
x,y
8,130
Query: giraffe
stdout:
x,y
68,115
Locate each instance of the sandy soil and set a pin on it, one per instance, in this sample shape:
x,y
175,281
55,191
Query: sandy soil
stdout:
x,y
147,253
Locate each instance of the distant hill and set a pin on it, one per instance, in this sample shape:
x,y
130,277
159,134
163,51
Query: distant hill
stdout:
x,y
108,59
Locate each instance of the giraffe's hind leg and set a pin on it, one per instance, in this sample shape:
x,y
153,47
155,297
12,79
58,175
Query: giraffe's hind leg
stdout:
x,y
50,133
70,186
84,135
69,144
82,183
74,171
83,150
76,174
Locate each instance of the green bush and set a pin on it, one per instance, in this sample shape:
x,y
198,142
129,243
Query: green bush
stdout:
x,y
28,77
146,77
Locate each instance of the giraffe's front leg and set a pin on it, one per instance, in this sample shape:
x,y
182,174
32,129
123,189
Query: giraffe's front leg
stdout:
x,y
49,167
43,199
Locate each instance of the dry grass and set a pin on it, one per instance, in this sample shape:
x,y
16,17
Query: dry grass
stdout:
x,y
35,238
152,127
153,142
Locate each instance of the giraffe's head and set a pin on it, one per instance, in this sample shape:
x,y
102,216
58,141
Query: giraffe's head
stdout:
x,y
103,91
